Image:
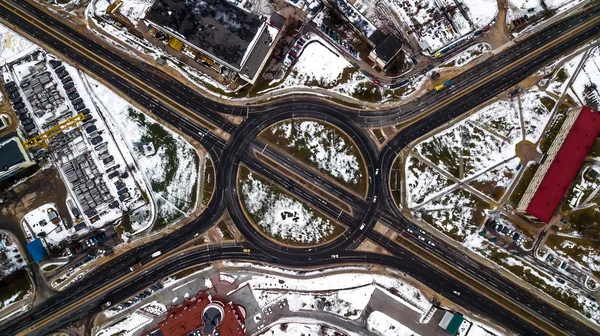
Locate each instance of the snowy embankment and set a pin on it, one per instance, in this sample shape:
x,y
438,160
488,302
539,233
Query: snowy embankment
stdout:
x,y
168,161
13,46
281,216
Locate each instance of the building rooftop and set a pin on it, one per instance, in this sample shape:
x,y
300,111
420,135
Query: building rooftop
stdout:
x,y
10,153
205,313
214,26
565,165
388,48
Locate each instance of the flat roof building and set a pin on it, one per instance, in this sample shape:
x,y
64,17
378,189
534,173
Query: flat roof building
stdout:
x,y
13,156
219,30
560,165
385,50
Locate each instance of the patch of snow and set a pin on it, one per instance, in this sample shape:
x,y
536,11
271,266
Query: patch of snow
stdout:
x,y
384,325
481,12
13,46
37,223
282,216
125,327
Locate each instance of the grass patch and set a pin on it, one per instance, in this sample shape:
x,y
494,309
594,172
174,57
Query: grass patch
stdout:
x,y
159,137
271,198
227,235
548,103
523,183
209,183
561,76
368,92
14,287
595,150
585,222
552,132
319,138
49,268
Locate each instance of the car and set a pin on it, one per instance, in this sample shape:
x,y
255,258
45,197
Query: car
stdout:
x,y
374,198
456,292
376,171
66,80
409,230
362,226
334,255
74,96
246,250
404,234
79,107
293,54
273,259
430,243
421,238
77,100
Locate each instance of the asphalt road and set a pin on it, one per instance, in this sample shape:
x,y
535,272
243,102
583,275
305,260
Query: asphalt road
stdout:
x,y
228,155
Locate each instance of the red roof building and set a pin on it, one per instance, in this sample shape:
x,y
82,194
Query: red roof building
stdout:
x,y
561,165
203,314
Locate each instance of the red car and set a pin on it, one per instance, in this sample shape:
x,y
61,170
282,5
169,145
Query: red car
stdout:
x,y
405,234
293,53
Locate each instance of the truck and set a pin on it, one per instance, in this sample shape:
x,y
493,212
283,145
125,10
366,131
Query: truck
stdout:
x,y
136,266
156,254
445,84
106,305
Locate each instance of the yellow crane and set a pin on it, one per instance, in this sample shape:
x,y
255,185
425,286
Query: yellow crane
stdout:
x,y
42,139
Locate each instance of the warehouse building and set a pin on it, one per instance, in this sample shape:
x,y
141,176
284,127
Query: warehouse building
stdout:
x,y
560,165
219,31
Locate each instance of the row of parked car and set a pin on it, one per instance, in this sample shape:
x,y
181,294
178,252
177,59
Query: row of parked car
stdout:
x,y
337,39
156,287
68,85
19,107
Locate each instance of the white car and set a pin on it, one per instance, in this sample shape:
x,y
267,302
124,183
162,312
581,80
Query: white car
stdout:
x,y
376,171
456,292
362,226
421,237
374,199
430,243
334,255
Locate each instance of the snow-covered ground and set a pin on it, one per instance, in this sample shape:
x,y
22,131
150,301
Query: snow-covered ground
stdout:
x,y
423,182
327,70
468,55
37,224
302,328
534,113
12,259
481,12
127,326
170,168
587,81
13,46
384,325
281,216
323,145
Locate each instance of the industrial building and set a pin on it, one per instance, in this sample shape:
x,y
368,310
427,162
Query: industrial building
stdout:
x,y
203,314
13,156
226,36
560,165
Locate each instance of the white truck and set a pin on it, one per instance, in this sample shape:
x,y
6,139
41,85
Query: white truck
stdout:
x,y
156,254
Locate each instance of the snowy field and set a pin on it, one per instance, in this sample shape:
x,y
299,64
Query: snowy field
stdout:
x,y
170,167
535,113
126,327
384,325
13,46
281,216
327,70
423,182
320,145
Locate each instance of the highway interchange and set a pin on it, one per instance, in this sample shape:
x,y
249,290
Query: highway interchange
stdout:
x,y
152,90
